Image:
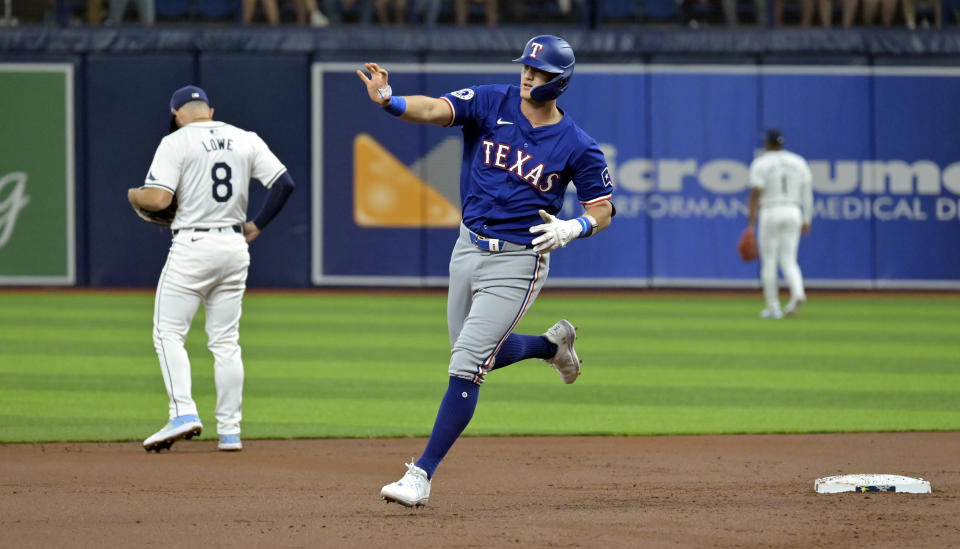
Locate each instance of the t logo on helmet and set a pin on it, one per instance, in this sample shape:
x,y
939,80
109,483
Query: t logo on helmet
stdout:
x,y
535,49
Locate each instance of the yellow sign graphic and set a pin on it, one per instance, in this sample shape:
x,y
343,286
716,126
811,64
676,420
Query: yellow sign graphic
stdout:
x,y
387,194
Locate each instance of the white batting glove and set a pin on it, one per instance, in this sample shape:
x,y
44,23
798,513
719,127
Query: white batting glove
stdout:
x,y
557,233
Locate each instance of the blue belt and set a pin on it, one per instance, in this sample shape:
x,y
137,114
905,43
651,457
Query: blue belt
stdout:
x,y
234,228
495,244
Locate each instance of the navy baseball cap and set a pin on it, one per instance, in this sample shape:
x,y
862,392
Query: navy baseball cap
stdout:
x,y
774,135
186,94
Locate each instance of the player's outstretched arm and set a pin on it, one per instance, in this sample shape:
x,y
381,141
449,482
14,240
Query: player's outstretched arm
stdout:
x,y
412,108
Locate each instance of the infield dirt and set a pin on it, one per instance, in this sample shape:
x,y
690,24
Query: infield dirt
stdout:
x,y
681,491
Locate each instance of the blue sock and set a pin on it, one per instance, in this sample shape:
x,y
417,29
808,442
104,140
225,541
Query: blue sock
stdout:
x,y
456,409
518,347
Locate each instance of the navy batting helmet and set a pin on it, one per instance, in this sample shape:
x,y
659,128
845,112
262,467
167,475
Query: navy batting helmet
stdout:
x,y
550,54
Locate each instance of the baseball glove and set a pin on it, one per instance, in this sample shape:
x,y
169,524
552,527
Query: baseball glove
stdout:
x,y
747,245
162,217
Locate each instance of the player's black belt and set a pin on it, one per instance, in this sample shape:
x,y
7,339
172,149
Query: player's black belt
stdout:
x,y
495,244
234,228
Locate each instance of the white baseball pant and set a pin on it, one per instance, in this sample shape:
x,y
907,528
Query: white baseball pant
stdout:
x,y
779,236
208,267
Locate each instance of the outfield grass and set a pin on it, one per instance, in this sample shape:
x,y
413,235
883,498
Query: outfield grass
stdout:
x,y
81,366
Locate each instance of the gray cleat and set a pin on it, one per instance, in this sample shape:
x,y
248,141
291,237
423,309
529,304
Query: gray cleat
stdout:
x,y
565,362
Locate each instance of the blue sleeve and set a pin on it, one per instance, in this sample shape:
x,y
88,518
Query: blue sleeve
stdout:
x,y
592,176
276,198
467,105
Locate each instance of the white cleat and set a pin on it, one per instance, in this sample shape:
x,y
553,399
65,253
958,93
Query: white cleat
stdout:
x,y
413,490
774,314
565,362
187,426
794,307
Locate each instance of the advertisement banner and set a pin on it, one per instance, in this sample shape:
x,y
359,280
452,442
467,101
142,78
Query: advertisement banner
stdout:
x,y
36,174
679,141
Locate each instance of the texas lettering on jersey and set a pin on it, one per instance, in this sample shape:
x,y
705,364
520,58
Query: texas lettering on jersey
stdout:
x,y
497,155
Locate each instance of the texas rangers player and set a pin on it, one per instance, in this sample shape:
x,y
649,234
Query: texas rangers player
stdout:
x,y
208,166
519,153
781,191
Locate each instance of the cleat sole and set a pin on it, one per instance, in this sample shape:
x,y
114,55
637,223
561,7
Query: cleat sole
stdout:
x,y
166,444
403,503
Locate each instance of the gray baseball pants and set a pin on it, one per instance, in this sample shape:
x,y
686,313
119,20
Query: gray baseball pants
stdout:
x,y
489,293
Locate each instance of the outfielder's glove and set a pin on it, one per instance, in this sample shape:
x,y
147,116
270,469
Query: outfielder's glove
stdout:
x,y
162,217
557,233
747,245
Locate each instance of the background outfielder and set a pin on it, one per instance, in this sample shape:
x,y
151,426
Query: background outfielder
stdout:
x,y
781,191
207,166
519,153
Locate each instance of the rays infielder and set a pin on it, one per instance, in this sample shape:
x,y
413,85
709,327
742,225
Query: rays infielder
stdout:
x,y
519,153
208,166
781,191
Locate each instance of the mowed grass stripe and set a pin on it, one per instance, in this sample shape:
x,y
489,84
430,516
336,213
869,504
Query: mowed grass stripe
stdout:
x,y
750,348
374,365
659,325
862,305
770,362
621,420
799,330
600,367
634,350
120,367
663,386
491,421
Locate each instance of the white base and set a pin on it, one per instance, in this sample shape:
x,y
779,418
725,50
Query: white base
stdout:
x,y
871,483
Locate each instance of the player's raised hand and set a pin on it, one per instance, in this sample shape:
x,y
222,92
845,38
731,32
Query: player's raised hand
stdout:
x,y
375,83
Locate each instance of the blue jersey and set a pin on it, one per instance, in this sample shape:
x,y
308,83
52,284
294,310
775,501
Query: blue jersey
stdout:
x,y
511,169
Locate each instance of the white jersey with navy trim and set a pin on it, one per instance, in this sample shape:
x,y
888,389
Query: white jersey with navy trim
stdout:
x,y
785,179
208,165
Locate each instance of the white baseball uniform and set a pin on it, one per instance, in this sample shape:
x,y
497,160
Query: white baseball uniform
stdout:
x,y
785,205
208,166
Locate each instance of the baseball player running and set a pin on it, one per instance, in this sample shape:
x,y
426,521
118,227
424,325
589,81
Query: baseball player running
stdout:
x,y
519,152
208,166
781,191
